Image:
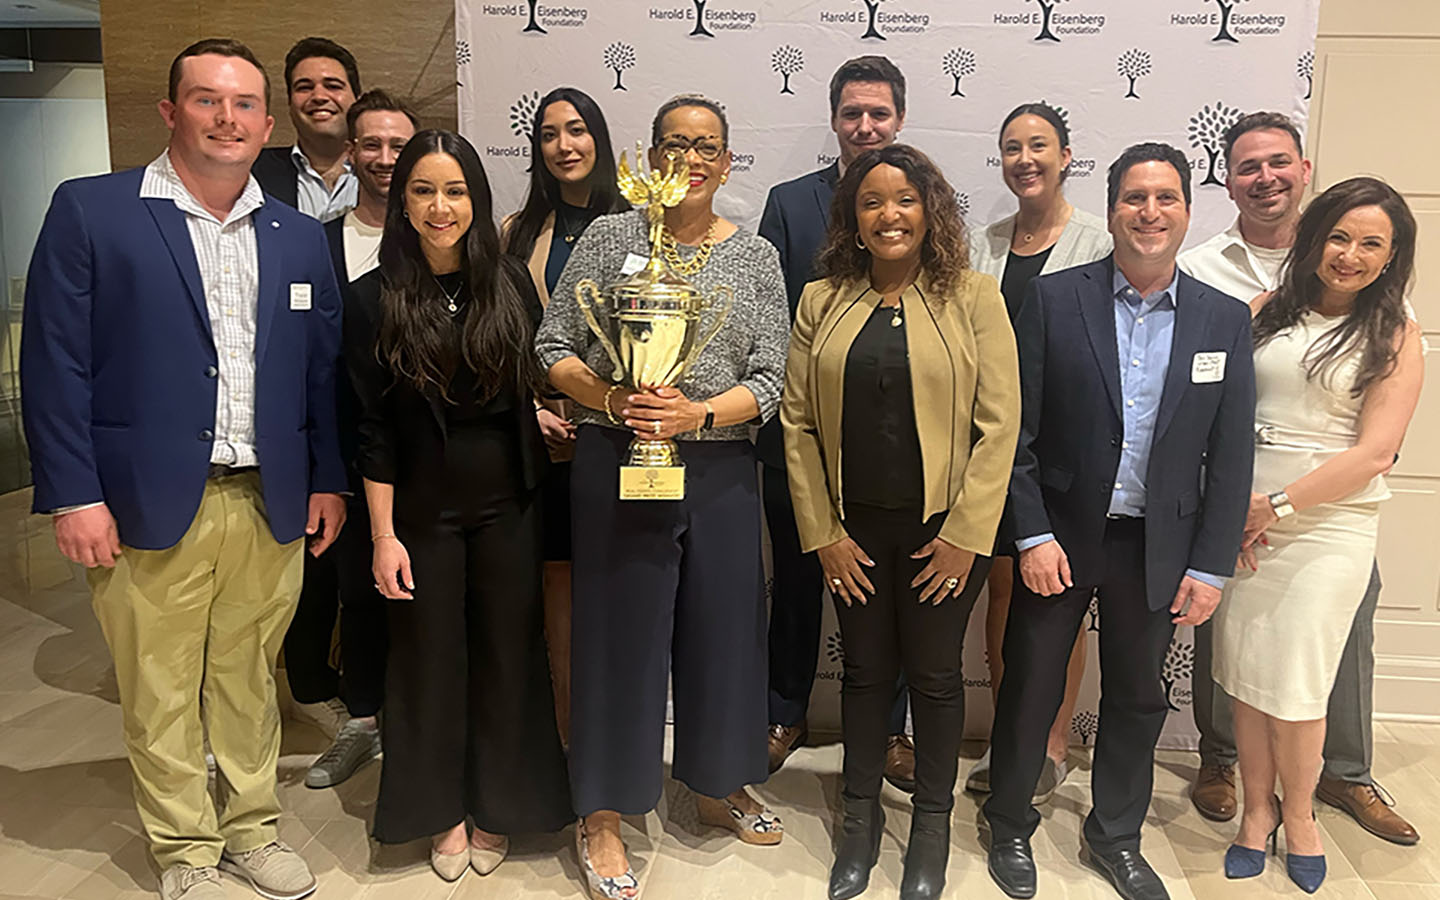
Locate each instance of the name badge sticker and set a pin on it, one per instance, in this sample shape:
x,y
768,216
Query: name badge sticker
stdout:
x,y
633,263
299,295
1208,368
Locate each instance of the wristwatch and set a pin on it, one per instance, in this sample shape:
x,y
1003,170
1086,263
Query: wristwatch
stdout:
x,y
1280,503
709,417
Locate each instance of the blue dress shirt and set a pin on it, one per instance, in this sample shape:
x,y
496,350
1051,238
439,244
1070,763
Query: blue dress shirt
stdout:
x,y
1144,331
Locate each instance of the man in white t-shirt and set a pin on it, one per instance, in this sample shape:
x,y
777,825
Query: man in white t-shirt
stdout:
x,y
380,127
1266,177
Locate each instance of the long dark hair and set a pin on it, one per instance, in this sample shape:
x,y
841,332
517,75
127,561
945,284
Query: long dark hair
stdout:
x,y
544,195
944,255
1379,311
417,336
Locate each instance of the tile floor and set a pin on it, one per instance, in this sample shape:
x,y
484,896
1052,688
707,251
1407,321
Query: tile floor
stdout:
x,y
68,830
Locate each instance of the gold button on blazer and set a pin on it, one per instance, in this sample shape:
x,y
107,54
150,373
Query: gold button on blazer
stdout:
x,y
966,386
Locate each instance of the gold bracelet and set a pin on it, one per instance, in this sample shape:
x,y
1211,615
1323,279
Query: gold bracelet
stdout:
x,y
609,412
377,537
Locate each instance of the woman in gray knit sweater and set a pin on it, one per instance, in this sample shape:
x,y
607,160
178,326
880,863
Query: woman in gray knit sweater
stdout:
x,y
670,590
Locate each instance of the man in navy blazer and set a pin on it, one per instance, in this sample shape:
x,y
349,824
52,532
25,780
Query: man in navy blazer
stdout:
x,y
1131,482
178,363
867,111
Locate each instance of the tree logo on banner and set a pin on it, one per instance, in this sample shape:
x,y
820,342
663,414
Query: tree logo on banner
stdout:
x,y
1085,723
462,60
1179,664
619,57
834,648
959,63
1226,8
1047,9
534,25
1305,68
1207,129
787,60
1133,64
522,114
872,9
700,30
962,202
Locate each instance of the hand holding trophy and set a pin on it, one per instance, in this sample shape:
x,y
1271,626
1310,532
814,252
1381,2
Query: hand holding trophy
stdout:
x,y
650,325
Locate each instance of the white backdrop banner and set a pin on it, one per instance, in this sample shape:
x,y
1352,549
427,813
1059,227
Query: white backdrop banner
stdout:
x,y
1121,71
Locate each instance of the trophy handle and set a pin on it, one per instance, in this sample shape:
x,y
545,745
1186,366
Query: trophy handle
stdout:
x,y
588,307
723,293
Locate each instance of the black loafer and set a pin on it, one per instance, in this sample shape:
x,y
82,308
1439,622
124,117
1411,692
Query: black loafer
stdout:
x,y
1012,866
1129,873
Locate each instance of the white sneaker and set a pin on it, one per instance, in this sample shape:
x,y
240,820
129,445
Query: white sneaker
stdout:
x,y
191,883
328,715
274,871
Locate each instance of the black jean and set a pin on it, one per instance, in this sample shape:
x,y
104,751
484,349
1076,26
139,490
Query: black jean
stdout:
x,y
893,632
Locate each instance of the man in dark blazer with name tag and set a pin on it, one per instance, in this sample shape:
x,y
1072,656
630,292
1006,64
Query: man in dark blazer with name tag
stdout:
x,y
1131,483
178,363
867,111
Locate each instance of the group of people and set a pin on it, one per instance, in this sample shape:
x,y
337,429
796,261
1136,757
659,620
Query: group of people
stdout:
x,y
224,397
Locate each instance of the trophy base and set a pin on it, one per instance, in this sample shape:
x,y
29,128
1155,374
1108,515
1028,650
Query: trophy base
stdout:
x,y
654,471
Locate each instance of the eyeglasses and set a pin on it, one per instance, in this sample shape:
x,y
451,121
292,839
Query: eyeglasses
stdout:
x,y
708,147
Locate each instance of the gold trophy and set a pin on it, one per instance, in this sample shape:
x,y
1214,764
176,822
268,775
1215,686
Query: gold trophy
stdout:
x,y
650,325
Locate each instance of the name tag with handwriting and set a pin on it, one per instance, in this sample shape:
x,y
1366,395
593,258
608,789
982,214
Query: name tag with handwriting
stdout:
x,y
1208,368
633,263
299,295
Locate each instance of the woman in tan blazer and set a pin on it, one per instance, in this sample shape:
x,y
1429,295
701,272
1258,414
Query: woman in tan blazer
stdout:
x,y
572,185
901,411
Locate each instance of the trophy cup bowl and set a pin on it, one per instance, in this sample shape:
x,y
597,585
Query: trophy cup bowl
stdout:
x,y
651,327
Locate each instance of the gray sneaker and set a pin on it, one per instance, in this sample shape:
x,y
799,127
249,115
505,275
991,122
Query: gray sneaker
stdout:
x,y
328,715
191,883
354,746
274,871
978,781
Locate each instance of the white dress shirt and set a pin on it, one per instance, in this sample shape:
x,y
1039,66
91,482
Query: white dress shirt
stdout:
x,y
1229,263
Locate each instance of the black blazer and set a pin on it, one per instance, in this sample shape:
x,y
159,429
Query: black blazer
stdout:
x,y
1199,476
347,405
796,217
275,171
401,429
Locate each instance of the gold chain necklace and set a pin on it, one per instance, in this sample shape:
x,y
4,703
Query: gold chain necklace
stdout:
x,y
671,248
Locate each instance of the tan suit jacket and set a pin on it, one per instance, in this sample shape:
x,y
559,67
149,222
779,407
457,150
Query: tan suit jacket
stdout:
x,y
966,385
538,256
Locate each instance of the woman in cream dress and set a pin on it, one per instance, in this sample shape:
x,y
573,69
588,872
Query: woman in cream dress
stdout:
x,y
1338,370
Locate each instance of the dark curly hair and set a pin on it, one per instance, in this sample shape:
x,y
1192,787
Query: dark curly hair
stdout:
x,y
944,255
1378,316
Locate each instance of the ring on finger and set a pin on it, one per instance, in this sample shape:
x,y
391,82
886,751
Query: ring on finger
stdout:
x,y
952,583
835,582
658,426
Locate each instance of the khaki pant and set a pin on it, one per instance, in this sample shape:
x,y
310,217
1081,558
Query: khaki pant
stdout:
x,y
195,631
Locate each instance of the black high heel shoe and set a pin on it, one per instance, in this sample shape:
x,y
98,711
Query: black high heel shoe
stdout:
x,y
1247,862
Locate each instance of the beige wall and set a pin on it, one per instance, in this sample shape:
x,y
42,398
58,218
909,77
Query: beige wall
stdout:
x,y
1377,62
405,47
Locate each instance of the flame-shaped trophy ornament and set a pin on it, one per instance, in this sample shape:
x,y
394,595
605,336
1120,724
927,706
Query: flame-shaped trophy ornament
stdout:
x,y
650,325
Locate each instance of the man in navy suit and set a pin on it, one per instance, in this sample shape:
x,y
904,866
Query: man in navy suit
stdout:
x,y
178,363
867,111
1131,483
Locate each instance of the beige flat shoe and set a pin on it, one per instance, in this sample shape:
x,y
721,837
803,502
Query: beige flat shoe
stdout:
x,y
449,866
484,861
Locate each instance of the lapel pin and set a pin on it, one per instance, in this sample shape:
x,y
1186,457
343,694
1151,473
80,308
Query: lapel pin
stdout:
x,y
274,224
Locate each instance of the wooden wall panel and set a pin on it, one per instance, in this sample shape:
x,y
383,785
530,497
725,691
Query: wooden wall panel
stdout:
x,y
408,48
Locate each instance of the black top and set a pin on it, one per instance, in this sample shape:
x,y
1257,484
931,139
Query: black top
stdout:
x,y
1019,272
570,223
880,447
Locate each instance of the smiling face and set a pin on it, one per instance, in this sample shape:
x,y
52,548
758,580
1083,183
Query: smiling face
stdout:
x,y
1031,157
865,118
1356,250
1267,176
380,135
1150,217
566,144
437,201
890,215
695,125
218,120
320,95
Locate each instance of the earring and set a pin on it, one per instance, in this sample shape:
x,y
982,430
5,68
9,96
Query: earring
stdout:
x,y
405,213
858,242
724,178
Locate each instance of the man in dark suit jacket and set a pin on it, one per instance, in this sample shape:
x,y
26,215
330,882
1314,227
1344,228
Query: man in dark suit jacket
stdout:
x,y
1131,483
315,175
178,362
867,111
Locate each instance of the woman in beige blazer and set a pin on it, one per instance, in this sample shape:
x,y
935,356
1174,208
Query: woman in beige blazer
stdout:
x,y
1046,234
901,411
573,185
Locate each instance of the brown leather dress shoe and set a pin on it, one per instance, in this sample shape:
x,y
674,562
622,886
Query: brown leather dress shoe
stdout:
x,y
785,740
1370,808
900,762
1214,792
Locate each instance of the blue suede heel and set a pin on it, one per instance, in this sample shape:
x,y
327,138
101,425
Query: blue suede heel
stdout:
x,y
1308,872
1246,862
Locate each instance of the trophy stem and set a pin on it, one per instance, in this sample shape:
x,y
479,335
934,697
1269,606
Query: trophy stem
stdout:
x,y
651,453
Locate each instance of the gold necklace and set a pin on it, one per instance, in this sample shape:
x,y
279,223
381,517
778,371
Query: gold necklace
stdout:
x,y
671,248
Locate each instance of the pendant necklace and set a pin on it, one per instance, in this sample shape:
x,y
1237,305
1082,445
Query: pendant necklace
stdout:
x,y
896,320
450,298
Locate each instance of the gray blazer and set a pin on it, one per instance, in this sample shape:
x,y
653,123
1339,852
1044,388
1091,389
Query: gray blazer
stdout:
x,y
1084,240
